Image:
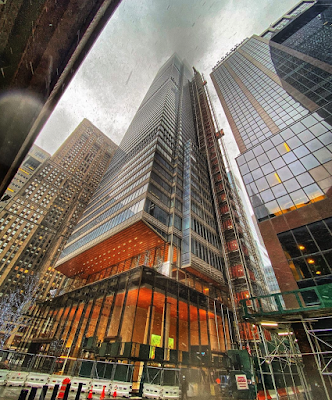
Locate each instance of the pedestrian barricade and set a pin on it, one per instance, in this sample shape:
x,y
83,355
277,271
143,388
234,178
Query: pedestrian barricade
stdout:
x,y
170,392
151,391
122,389
36,379
55,380
85,381
16,378
3,376
192,390
98,385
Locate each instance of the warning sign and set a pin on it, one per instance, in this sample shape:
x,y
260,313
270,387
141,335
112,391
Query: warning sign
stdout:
x,y
241,382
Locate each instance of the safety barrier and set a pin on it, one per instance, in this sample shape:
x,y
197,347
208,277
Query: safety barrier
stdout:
x,y
121,389
170,392
76,380
56,380
36,380
193,390
151,391
16,378
289,393
3,376
98,385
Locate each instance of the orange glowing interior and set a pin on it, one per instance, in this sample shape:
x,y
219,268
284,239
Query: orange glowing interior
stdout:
x,y
124,245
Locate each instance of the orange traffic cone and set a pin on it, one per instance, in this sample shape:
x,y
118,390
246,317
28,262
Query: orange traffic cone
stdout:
x,y
102,395
90,394
63,388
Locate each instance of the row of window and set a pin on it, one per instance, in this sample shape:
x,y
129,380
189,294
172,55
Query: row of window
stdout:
x,y
94,219
291,169
107,226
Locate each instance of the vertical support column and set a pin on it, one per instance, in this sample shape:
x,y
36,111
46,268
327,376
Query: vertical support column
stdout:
x,y
147,330
150,317
165,327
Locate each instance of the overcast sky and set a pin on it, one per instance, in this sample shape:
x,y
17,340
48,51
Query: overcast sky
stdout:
x,y
138,39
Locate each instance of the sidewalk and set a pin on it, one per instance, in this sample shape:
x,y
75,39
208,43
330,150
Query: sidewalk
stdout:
x,y
12,393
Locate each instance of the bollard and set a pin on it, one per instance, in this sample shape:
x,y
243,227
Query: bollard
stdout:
x,y
43,393
79,389
32,394
65,396
55,392
23,394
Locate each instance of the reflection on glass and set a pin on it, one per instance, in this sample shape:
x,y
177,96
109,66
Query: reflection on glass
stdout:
x,y
267,195
321,234
273,179
295,272
261,213
289,245
305,136
304,238
285,203
273,208
298,127
314,192
289,157
323,155
267,168
301,151
304,179
309,161
253,164
318,265
262,159
262,184
279,190
291,185
272,154
285,173
257,173
319,173
278,163
302,268
314,145
299,198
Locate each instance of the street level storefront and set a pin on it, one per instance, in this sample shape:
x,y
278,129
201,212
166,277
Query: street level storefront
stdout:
x,y
136,316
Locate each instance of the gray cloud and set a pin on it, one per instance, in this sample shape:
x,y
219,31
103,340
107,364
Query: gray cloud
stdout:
x,y
136,41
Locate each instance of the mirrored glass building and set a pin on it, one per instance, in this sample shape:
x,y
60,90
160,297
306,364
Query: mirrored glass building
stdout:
x,y
276,91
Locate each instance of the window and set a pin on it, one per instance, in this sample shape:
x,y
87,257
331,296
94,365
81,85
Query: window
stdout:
x,y
309,251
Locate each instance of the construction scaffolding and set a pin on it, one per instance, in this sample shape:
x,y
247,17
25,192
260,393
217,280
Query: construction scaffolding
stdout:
x,y
290,347
299,339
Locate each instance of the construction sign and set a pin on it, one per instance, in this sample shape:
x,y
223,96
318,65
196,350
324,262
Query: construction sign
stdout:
x,y
241,382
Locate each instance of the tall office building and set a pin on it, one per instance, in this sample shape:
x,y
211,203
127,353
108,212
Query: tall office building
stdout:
x,y
35,157
276,90
37,221
160,250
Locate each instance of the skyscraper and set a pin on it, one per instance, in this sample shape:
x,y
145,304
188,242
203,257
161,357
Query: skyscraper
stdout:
x,y
39,218
160,251
276,90
35,157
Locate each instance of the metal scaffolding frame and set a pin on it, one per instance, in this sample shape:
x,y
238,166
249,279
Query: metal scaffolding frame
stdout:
x,y
280,364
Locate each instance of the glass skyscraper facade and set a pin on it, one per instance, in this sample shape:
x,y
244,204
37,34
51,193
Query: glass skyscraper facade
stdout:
x,y
276,90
